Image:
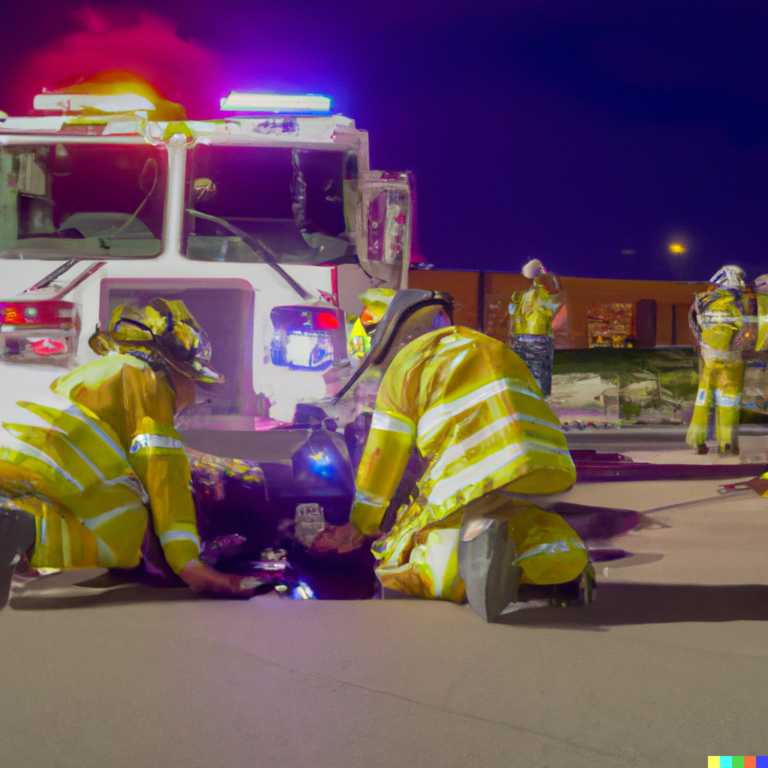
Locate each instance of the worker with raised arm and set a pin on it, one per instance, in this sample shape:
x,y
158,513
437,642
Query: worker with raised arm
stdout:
x,y
532,315
721,322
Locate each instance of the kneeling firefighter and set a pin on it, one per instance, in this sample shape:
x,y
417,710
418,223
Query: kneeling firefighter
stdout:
x,y
77,494
478,417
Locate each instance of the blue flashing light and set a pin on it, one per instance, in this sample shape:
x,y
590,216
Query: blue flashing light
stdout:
x,y
302,592
276,103
321,464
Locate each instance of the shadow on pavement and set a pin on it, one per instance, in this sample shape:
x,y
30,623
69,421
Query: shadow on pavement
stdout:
x,y
91,599
626,604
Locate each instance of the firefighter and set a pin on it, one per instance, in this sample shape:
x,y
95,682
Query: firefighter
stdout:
x,y
720,321
77,494
474,411
375,303
532,315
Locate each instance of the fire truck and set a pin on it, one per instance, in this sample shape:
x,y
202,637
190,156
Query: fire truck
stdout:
x,y
267,223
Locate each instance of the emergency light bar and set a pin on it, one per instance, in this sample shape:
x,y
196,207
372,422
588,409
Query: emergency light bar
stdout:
x,y
275,103
77,102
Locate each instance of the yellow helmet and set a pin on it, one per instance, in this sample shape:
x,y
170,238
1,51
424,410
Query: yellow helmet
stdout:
x,y
164,329
375,301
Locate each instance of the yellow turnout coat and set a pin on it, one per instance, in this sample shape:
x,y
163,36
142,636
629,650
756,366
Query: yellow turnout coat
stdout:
x,y
474,411
88,479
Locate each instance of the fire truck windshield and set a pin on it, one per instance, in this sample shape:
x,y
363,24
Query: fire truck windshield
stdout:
x,y
77,199
296,204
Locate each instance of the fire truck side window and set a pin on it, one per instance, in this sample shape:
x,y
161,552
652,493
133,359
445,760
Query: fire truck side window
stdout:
x,y
81,199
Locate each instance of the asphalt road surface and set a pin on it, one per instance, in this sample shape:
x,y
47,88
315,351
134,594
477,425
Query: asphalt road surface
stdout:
x,y
670,665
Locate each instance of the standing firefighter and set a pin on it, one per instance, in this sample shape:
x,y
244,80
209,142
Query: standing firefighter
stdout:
x,y
473,410
77,494
720,321
532,314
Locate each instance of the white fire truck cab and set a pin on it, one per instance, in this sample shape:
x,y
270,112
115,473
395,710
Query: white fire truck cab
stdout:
x,y
267,224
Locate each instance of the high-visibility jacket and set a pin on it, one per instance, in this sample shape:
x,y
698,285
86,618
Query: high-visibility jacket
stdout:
x,y
724,315
533,311
724,322
111,451
472,407
359,342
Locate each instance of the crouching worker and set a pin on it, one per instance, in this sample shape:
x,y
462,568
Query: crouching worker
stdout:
x,y
472,407
77,493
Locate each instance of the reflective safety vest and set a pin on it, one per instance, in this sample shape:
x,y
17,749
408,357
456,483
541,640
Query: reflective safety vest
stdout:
x,y
470,405
359,342
533,311
111,451
725,322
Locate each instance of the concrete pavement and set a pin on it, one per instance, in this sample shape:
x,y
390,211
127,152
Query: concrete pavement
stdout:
x,y
668,666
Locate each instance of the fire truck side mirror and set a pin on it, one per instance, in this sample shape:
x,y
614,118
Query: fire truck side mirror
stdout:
x,y
385,218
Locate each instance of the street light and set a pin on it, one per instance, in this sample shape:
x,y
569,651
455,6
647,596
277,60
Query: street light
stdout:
x,y
678,249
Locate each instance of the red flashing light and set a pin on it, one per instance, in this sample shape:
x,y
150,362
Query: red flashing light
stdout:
x,y
326,321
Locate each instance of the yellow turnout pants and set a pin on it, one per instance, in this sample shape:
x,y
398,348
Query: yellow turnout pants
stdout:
x,y
720,381
549,551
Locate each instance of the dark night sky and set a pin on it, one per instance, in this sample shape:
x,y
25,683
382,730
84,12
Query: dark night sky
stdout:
x,y
567,130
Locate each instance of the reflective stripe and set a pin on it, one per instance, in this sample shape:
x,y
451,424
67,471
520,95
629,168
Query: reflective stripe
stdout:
x,y
364,497
541,422
551,549
106,555
75,412
727,401
456,362
452,344
155,441
105,517
525,391
718,354
46,459
436,416
445,488
130,480
458,450
169,536
387,423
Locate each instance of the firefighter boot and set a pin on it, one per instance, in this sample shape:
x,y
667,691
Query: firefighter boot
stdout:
x,y
485,564
17,535
580,591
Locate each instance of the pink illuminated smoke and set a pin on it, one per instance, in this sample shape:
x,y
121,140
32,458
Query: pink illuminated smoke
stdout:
x,y
184,71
